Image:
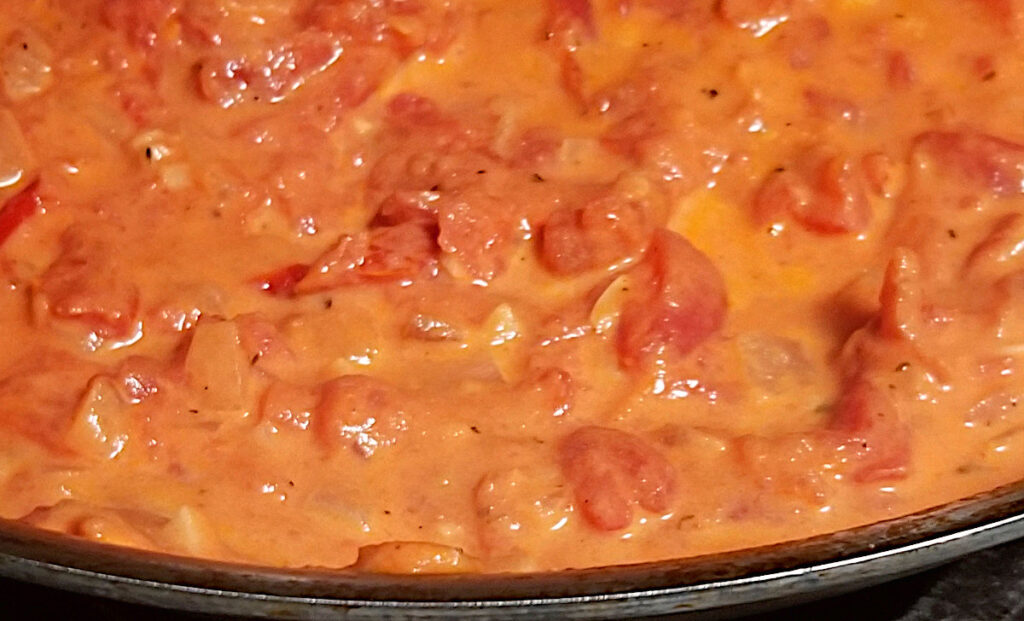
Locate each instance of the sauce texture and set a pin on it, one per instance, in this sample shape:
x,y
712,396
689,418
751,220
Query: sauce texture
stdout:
x,y
482,285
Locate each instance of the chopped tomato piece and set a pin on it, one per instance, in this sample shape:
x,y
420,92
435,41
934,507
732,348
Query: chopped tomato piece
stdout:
x,y
141,21
900,313
831,107
680,301
474,229
790,467
1001,252
39,395
536,147
565,14
287,406
875,442
397,252
570,22
1006,13
18,209
878,170
269,76
612,470
864,440
410,109
900,71
400,26
804,40
426,151
282,282
263,343
141,378
823,193
407,206
361,412
635,135
598,234
983,160
83,285
552,387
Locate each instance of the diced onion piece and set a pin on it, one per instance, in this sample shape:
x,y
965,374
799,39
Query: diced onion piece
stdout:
x,y
456,268
16,160
413,557
635,187
153,146
190,532
581,154
156,148
993,409
503,329
101,425
176,176
217,366
411,28
608,307
26,65
1000,448
502,325
508,128
113,529
267,219
771,359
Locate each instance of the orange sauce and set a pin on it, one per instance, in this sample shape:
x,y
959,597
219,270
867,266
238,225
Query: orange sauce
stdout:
x,y
475,285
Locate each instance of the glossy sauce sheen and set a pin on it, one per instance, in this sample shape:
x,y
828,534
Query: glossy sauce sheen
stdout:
x,y
456,285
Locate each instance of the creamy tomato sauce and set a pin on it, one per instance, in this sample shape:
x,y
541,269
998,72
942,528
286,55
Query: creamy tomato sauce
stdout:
x,y
478,285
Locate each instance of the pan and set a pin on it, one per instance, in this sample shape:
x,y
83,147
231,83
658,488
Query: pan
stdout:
x,y
719,585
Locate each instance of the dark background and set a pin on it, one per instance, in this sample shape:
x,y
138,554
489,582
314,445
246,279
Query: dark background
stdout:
x,y
985,586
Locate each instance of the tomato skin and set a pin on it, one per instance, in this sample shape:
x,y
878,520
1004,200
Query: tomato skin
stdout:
x,y
680,303
18,209
612,470
983,160
899,314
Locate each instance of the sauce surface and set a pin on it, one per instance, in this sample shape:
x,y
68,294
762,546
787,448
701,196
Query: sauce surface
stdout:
x,y
477,285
